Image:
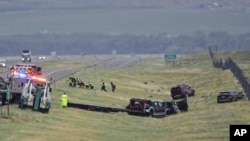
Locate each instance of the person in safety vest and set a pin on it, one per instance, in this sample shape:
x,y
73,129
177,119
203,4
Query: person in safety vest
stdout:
x,y
64,100
69,80
91,86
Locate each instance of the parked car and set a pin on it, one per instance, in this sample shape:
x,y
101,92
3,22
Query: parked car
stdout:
x,y
229,96
181,91
145,107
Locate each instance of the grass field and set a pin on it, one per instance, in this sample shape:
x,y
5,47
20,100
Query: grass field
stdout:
x,y
124,20
151,79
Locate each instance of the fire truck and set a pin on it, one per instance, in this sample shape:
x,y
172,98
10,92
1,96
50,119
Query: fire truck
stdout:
x,y
16,79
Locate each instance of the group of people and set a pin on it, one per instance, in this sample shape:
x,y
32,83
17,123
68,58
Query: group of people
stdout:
x,y
72,82
77,81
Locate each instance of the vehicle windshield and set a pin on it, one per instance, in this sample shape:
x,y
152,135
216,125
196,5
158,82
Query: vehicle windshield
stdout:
x,y
175,90
224,93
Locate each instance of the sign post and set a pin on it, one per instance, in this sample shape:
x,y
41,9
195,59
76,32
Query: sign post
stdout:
x,y
8,97
1,105
170,57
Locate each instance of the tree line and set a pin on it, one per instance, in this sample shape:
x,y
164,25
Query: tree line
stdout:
x,y
99,43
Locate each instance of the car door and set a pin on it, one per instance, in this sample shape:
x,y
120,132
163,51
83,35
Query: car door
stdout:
x,y
161,108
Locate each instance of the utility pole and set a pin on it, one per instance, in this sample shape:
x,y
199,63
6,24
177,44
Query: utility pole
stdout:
x,y
0,106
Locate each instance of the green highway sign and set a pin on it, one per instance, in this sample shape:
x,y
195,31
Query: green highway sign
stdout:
x,y
170,56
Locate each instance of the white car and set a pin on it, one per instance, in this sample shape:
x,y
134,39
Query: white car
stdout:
x,y
41,57
2,63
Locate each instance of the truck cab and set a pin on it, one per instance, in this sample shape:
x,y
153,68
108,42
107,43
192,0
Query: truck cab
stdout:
x,y
26,56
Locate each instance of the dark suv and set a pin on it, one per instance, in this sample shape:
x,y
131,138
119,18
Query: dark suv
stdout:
x,y
181,91
147,108
229,96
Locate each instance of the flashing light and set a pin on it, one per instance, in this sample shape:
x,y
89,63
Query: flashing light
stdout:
x,y
40,79
21,75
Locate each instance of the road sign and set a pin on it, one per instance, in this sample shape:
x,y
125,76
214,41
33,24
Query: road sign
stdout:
x,y
114,52
170,56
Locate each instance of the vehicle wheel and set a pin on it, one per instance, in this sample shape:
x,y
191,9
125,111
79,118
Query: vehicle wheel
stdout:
x,y
151,113
45,111
3,100
165,114
177,111
1,79
231,100
235,99
193,92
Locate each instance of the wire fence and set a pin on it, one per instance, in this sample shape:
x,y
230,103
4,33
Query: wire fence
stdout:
x,y
229,64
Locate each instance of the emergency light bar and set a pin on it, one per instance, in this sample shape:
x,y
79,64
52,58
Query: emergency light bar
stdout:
x,y
19,75
22,75
39,79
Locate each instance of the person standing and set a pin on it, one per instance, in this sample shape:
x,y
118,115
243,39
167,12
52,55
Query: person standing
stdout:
x,y
103,88
64,100
113,86
91,86
70,81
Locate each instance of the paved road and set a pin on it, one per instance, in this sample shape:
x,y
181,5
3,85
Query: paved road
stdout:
x,y
109,63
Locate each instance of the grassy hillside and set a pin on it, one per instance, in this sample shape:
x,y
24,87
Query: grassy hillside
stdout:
x,y
151,79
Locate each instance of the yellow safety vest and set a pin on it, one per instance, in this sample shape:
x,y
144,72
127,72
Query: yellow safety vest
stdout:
x,y
64,100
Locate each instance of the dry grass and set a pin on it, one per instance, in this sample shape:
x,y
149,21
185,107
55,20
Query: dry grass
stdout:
x,y
152,79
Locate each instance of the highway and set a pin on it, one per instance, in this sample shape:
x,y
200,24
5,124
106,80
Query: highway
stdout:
x,y
110,62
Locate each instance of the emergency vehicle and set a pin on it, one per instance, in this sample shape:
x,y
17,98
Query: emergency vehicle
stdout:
x,y
16,79
23,68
